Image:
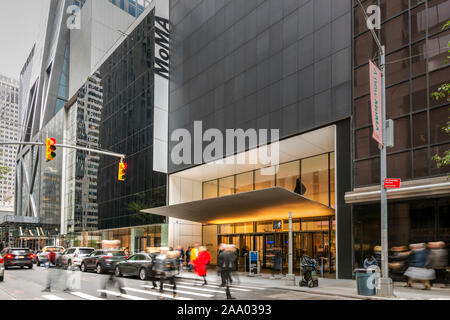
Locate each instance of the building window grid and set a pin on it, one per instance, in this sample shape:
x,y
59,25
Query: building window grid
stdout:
x,y
410,79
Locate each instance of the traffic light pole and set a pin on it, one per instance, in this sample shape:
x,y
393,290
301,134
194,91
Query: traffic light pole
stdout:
x,y
108,153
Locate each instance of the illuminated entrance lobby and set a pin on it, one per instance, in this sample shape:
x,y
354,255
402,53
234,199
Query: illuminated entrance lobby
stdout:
x,y
241,204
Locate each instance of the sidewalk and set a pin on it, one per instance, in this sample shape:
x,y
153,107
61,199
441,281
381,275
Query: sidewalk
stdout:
x,y
334,287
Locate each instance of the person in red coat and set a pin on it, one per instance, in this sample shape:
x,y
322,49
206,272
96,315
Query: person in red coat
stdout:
x,y
200,264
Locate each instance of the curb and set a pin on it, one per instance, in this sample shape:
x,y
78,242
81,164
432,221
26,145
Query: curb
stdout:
x,y
324,293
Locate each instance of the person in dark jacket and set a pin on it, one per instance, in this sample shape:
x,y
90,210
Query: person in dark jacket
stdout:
x,y
227,263
370,261
188,258
418,269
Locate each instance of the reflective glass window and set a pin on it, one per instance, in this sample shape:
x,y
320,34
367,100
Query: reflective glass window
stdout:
x,y
210,189
244,182
226,186
288,174
315,178
264,178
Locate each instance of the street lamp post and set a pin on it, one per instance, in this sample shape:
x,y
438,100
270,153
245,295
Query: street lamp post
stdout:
x,y
385,285
290,277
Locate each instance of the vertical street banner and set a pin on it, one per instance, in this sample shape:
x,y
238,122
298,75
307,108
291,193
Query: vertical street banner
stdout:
x,y
375,102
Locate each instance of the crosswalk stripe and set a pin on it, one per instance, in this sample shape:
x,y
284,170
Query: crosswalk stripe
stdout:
x,y
52,297
186,292
117,294
202,289
85,296
238,286
215,286
156,294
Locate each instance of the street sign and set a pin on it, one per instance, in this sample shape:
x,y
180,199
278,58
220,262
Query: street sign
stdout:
x,y
392,183
253,262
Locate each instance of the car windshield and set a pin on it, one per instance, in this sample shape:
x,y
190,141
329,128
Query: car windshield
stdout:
x,y
85,251
20,252
115,253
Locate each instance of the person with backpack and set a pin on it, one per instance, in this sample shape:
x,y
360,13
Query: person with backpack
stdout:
x,y
165,266
227,262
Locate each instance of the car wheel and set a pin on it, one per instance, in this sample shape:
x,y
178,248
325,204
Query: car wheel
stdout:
x,y
143,274
69,263
83,267
38,263
21,267
117,272
99,269
1,278
30,266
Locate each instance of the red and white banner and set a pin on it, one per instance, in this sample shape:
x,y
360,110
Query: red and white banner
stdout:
x,y
376,102
392,183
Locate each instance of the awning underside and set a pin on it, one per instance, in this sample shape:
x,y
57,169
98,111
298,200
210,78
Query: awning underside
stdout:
x,y
266,204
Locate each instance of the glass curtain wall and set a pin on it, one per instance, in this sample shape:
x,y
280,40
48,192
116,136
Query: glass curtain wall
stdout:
x,y
312,177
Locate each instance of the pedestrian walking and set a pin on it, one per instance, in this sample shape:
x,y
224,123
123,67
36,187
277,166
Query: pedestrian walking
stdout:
x,y
111,280
438,258
370,261
227,262
180,259
194,254
276,261
188,258
53,274
165,269
418,269
201,263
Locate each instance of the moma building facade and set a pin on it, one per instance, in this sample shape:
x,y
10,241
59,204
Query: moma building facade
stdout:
x,y
261,66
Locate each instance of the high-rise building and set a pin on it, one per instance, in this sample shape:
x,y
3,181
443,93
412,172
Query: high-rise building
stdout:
x,y
61,59
9,121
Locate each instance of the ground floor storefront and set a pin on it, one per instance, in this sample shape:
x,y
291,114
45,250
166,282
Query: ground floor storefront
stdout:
x,y
314,237
409,222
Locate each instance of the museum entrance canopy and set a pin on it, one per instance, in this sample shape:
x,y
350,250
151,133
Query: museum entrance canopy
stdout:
x,y
266,204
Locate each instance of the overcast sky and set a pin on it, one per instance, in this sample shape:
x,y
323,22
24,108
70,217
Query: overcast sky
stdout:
x,y
20,21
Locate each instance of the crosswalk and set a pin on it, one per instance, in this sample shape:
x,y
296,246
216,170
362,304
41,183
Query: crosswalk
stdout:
x,y
187,289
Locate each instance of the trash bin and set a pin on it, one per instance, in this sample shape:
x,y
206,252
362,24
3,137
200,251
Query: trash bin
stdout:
x,y
366,282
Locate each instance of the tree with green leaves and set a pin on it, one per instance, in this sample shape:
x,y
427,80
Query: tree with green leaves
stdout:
x,y
443,93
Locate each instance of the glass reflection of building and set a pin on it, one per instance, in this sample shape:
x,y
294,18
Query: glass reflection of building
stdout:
x,y
81,209
126,127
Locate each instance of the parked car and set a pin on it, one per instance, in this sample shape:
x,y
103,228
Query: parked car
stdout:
x,y
102,260
137,265
17,257
42,257
73,256
2,268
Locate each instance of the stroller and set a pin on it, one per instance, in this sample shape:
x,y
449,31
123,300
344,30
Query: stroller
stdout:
x,y
309,278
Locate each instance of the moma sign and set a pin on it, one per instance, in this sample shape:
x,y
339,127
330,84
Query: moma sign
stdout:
x,y
162,49
161,74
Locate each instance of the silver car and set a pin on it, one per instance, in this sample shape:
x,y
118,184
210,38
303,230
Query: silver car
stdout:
x,y
42,257
73,256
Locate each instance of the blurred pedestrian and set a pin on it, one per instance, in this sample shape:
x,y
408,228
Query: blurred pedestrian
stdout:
x,y
370,261
438,258
194,254
188,258
418,269
201,263
51,258
111,280
276,261
180,258
227,261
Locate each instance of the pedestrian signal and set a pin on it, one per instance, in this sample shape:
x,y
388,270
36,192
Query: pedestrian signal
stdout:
x,y
50,153
122,173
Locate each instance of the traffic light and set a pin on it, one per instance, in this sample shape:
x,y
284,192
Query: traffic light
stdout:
x,y
50,153
122,173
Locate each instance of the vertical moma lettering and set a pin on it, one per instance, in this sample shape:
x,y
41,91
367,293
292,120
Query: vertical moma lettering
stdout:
x,y
162,41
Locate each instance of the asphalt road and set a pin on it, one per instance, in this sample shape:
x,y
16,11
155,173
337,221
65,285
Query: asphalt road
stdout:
x,y
25,284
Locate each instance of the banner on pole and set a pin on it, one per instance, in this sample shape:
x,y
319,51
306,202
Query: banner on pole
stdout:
x,y
375,101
